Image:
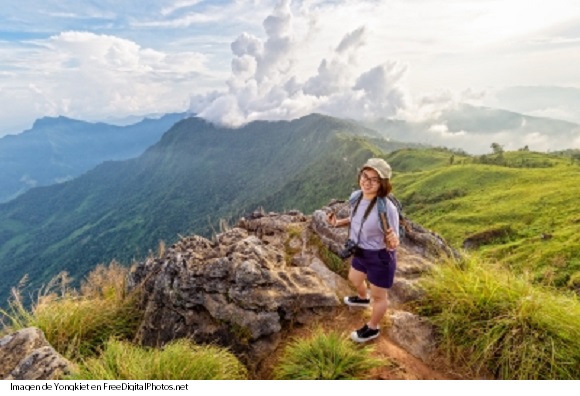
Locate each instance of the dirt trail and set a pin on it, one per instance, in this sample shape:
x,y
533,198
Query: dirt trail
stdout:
x,y
400,365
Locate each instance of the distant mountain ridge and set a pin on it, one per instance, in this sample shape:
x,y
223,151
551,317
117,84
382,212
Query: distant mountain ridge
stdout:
x,y
56,149
474,128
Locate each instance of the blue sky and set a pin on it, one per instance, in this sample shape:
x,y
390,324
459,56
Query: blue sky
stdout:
x,y
105,60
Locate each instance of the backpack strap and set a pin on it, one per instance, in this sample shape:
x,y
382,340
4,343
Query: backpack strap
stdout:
x,y
354,198
403,223
382,207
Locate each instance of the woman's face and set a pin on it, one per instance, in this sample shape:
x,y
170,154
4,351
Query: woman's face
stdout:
x,y
369,182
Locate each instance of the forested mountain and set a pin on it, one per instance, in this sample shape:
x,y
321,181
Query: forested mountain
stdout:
x,y
58,149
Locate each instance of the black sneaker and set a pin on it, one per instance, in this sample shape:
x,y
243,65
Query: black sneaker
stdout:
x,y
364,334
356,301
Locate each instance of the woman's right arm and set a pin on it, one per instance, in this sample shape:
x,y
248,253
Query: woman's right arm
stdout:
x,y
333,221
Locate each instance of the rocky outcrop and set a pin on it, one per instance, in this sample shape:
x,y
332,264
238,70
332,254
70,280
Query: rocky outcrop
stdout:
x,y
27,355
239,290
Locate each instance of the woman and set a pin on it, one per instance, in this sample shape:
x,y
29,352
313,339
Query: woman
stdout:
x,y
374,257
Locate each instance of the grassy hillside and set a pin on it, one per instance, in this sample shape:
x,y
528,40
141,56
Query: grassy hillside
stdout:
x,y
526,217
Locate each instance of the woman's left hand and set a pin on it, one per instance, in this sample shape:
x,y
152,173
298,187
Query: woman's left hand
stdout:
x,y
391,239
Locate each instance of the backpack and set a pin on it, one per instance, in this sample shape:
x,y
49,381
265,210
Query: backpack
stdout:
x,y
382,207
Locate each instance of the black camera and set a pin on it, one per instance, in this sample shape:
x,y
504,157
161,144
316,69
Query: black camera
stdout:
x,y
349,249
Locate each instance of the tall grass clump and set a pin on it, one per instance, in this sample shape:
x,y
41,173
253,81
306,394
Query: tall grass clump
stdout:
x,y
323,356
180,360
502,325
78,323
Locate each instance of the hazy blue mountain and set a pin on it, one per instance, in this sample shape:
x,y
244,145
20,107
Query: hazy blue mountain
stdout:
x,y
59,149
194,176
473,129
542,101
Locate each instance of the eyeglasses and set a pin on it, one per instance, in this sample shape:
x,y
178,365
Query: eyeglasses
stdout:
x,y
372,180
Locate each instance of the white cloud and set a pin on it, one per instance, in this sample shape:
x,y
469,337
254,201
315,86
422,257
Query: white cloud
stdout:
x,y
307,55
90,76
30,182
178,5
266,82
442,131
353,39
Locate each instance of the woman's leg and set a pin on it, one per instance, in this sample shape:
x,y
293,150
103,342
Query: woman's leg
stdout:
x,y
379,305
357,278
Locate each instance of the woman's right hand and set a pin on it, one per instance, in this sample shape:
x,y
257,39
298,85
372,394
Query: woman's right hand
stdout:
x,y
331,219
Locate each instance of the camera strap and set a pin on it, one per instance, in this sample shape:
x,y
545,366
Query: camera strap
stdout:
x,y
366,214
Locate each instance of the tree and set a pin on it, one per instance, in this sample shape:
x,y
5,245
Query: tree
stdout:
x,y
497,148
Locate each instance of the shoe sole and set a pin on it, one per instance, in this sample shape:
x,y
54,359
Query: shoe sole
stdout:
x,y
351,304
355,338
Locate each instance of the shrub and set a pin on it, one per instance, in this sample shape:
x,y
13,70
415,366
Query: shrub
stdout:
x,y
180,360
78,324
501,324
325,356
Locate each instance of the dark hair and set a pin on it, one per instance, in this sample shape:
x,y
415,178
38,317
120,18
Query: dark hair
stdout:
x,y
385,186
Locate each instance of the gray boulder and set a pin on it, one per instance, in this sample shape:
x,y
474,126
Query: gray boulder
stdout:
x,y
414,333
27,355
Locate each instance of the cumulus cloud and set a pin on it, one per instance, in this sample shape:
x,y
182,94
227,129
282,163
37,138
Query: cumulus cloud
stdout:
x,y
90,76
353,39
265,82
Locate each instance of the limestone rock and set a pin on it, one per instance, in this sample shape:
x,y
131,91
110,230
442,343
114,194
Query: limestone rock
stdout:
x,y
27,355
413,333
238,290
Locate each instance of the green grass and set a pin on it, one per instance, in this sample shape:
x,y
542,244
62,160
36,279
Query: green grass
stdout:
x,y
496,323
77,324
331,260
460,201
179,360
330,356
417,160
